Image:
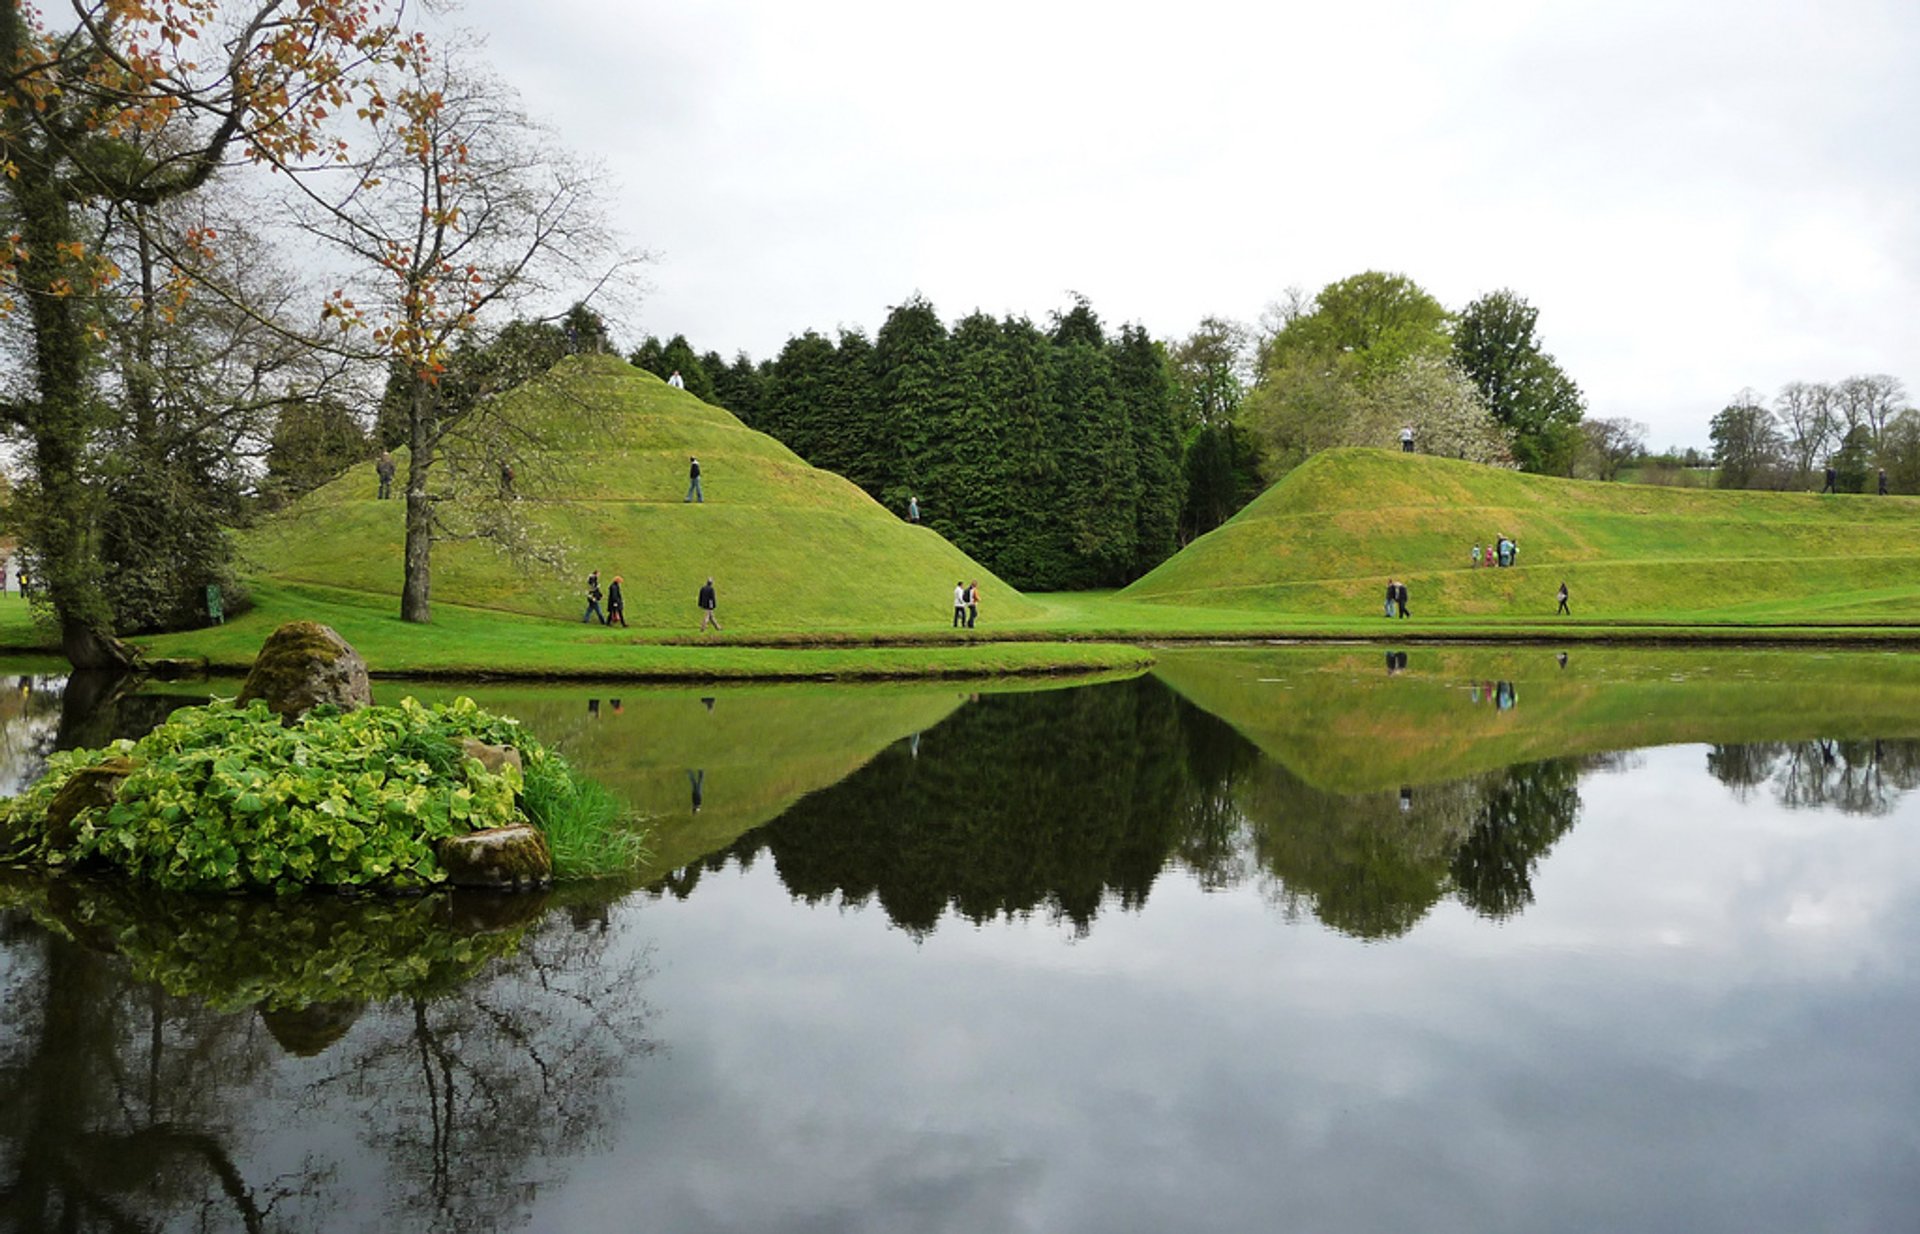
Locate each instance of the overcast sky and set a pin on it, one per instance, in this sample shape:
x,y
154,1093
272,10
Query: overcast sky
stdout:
x,y
1696,196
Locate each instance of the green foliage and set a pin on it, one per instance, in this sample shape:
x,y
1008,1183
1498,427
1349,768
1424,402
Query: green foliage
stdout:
x,y
223,798
1748,445
1362,326
312,443
1533,399
590,833
1052,459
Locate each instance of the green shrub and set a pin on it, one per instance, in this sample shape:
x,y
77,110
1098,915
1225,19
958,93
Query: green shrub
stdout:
x,y
223,798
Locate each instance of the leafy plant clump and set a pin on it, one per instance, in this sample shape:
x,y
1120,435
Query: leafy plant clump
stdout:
x,y
221,798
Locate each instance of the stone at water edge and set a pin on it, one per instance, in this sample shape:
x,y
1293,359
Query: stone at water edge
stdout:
x,y
304,664
491,757
514,858
89,787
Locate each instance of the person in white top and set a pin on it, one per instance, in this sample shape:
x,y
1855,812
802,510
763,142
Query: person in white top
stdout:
x,y
676,381
1406,439
959,605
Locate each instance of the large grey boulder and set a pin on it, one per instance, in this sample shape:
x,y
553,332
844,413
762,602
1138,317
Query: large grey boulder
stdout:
x,y
512,858
304,664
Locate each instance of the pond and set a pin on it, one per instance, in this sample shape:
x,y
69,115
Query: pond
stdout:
x,y
1342,939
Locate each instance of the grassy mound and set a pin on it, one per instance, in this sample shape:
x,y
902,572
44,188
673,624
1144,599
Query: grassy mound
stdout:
x,y
602,479
1324,540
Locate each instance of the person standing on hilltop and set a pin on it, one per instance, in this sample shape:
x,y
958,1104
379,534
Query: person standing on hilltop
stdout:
x,y
709,605
913,503
1406,439
384,468
693,481
676,381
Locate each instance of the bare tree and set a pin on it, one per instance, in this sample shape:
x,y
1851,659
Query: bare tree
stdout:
x,y
1612,443
461,212
1805,410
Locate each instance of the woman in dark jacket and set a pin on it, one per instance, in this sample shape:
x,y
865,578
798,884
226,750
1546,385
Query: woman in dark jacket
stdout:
x,y
616,604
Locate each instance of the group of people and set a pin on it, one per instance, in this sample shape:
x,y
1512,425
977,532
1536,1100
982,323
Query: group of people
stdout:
x,y
1396,598
615,613
966,605
1505,552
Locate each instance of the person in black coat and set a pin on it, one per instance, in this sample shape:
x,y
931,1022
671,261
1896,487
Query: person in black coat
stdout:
x,y
616,604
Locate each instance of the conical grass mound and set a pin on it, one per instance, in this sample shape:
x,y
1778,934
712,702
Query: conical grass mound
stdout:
x,y
600,477
1324,541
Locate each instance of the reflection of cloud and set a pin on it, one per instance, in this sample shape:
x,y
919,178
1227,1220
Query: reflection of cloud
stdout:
x,y
1203,1065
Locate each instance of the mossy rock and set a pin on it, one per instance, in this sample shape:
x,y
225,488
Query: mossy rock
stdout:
x,y
302,665
500,858
95,787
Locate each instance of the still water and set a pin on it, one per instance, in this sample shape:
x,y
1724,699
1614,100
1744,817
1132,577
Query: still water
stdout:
x,y
1342,940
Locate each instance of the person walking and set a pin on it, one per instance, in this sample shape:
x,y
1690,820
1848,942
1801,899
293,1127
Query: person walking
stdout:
x,y
1830,479
1393,593
1401,599
1563,600
959,605
1883,481
973,603
384,468
693,481
913,505
616,604
593,600
1476,556
709,605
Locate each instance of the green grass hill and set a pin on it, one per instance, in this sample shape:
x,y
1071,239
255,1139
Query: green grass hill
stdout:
x,y
601,479
1325,539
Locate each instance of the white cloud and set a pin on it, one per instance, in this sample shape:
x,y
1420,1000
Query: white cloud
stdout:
x,y
1697,198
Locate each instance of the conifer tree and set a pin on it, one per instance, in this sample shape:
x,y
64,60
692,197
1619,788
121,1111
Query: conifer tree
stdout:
x,y
1100,477
1146,390
915,402
678,356
794,390
1036,553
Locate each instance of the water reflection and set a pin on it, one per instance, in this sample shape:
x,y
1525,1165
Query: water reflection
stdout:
x,y
1854,777
1068,803
164,1057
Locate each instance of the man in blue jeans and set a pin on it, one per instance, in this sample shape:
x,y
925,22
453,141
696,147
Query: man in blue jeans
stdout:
x,y
693,481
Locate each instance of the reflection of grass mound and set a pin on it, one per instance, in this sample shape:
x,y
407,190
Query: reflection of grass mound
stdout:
x,y
1324,540
282,956
1341,723
790,546
760,749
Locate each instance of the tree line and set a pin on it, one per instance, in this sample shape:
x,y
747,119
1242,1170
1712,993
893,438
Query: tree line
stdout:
x,y
1052,456
1860,427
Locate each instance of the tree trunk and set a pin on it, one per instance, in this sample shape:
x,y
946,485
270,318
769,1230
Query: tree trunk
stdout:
x,y
62,527
416,593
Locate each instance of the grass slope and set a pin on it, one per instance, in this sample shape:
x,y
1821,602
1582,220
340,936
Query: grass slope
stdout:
x,y
791,547
1323,542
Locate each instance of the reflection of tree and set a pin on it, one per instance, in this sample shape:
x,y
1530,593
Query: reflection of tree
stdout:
x,y
1853,776
1016,802
1061,798
123,1106
1524,811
